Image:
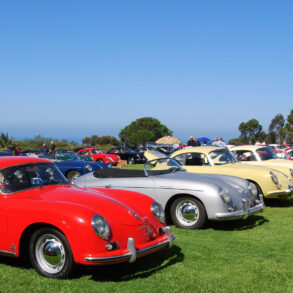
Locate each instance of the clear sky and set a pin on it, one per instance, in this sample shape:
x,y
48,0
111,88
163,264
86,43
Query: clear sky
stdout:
x,y
70,69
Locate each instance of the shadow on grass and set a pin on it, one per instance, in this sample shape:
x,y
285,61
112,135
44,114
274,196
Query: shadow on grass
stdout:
x,y
279,203
142,268
238,225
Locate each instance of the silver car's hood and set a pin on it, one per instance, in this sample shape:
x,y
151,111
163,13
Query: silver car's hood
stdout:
x,y
180,180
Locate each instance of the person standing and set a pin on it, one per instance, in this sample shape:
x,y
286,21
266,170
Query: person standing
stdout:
x,y
10,150
53,147
44,150
197,142
191,141
17,150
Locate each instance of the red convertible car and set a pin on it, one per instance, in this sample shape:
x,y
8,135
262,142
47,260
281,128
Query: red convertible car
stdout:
x,y
99,156
58,225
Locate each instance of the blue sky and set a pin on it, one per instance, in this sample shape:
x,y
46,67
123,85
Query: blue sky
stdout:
x,y
70,69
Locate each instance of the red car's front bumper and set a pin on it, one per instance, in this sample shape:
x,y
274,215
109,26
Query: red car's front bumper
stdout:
x,y
132,252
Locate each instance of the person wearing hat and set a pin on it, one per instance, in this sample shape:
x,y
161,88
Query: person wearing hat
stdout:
x,y
191,141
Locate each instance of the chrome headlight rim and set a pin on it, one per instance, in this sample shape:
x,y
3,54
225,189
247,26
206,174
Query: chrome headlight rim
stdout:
x,y
158,212
89,167
252,189
224,194
274,177
101,227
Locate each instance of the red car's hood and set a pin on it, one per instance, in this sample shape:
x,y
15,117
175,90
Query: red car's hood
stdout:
x,y
109,208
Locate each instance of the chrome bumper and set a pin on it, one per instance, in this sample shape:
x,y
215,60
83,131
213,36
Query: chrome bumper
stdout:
x,y
132,252
244,212
282,193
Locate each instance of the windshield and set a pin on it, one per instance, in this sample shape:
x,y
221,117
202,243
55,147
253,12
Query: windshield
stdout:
x,y
161,166
266,153
21,177
222,156
96,151
66,155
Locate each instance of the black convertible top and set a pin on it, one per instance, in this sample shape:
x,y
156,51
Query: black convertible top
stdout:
x,y
118,173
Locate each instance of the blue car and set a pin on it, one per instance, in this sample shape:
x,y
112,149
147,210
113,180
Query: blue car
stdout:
x,y
75,168
70,165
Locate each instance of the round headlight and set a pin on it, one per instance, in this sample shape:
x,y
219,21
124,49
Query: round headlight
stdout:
x,y
101,227
291,172
224,193
274,177
158,212
89,167
252,189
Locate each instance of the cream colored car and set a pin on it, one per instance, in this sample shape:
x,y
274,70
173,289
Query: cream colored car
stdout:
x,y
262,156
216,160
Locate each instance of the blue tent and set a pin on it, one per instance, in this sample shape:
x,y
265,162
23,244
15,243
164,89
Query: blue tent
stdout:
x,y
202,139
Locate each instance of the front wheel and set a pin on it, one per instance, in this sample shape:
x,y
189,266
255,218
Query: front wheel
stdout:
x,y
188,213
100,160
50,253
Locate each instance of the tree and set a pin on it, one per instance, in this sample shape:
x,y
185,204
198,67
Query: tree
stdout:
x,y
100,140
277,129
5,141
142,130
289,128
251,131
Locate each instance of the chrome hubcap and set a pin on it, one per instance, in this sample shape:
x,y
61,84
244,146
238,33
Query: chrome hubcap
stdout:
x,y
187,213
50,253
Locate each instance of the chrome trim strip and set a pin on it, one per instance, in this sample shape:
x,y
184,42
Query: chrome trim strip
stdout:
x,y
132,255
284,192
9,253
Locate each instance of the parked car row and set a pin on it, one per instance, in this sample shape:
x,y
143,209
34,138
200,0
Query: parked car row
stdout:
x,y
112,215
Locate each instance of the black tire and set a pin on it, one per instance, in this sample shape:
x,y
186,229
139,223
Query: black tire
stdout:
x,y
130,160
100,160
73,174
50,253
188,213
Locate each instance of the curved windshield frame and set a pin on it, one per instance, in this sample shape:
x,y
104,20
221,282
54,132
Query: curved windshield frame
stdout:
x,y
222,156
265,154
161,166
22,177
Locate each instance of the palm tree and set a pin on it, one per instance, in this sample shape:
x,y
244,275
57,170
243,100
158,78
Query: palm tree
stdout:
x,y
5,141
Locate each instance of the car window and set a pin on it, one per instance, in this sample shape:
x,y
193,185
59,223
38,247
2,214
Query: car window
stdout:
x,y
222,156
18,178
244,155
196,159
265,153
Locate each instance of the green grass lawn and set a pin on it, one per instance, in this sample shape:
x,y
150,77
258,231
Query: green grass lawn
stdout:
x,y
252,255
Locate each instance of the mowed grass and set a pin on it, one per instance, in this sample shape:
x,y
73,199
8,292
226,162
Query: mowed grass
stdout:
x,y
252,255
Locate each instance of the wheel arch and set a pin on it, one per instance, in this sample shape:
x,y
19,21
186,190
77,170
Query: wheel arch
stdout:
x,y
28,232
173,198
257,185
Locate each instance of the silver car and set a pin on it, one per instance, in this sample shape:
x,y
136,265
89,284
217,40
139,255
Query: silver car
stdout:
x,y
188,199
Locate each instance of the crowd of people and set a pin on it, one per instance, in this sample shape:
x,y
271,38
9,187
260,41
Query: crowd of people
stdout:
x,y
195,142
44,149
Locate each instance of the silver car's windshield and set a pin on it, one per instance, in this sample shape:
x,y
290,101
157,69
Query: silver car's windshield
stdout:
x,y
161,166
222,156
21,177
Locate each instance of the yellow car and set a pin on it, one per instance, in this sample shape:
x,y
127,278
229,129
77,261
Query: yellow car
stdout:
x,y
217,160
262,156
